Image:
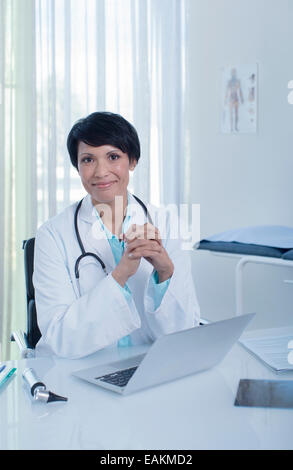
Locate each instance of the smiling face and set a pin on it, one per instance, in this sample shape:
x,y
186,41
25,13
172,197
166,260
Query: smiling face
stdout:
x,y
104,172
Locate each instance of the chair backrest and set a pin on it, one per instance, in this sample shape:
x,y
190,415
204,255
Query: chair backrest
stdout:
x,y
33,333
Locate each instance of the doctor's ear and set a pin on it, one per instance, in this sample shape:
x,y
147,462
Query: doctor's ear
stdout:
x,y
132,164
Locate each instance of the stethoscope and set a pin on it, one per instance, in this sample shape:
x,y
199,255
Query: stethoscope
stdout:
x,y
83,252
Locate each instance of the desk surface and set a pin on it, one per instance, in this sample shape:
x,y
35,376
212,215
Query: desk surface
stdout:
x,y
196,412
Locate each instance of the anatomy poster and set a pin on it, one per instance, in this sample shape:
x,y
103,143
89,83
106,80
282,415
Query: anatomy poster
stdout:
x,y
239,99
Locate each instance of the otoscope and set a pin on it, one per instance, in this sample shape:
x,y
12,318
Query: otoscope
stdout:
x,y
38,388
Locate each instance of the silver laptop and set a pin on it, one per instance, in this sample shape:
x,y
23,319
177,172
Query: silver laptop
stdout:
x,y
170,357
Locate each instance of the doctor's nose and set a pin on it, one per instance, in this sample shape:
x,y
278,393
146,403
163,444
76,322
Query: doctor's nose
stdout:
x,y
101,170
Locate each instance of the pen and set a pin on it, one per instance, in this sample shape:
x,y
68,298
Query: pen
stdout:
x,y
7,376
2,368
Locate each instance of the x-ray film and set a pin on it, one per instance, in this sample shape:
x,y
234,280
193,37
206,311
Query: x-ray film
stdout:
x,y
265,393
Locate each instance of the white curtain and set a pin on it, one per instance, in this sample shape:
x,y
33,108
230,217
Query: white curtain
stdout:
x,y
59,61
18,130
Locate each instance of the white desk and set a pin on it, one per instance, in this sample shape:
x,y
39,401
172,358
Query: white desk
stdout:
x,y
196,412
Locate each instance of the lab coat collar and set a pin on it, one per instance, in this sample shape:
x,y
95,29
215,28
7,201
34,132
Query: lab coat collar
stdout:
x,y
87,211
136,212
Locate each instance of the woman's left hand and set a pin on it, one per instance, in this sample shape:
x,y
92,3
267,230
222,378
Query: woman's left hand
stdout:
x,y
145,241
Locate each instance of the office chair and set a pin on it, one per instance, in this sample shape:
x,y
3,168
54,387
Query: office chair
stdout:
x,y
33,333
27,341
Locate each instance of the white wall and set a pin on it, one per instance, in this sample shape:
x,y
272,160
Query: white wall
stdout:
x,y
241,180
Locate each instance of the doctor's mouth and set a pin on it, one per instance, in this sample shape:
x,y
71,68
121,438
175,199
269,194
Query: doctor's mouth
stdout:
x,y
104,185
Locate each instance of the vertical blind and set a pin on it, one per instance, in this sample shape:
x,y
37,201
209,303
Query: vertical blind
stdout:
x,y
59,61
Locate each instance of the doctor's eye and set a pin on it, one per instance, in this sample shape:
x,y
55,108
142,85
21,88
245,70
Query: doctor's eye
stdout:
x,y
86,160
114,156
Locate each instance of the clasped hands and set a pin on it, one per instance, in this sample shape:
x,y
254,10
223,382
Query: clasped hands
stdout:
x,y
143,241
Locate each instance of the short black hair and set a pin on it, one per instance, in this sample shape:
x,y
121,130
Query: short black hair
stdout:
x,y
104,128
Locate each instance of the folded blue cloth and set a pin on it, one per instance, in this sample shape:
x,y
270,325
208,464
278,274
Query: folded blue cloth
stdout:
x,y
242,249
288,255
276,236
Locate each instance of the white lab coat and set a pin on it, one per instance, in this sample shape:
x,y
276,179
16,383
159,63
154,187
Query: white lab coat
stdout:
x,y
77,318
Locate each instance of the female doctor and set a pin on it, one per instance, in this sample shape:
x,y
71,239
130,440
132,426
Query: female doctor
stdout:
x,y
103,276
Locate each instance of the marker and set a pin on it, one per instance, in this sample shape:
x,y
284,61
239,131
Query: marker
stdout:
x,y
10,373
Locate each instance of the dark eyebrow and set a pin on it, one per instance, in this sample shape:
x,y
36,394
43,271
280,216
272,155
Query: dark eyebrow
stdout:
x,y
111,151
92,155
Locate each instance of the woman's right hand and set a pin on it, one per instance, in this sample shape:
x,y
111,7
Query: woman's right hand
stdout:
x,y
147,238
125,268
129,262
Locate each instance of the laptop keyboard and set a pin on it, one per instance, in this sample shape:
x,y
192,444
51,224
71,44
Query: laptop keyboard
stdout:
x,y
119,378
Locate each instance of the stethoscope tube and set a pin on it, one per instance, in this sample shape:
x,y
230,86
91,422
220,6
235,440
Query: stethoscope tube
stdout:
x,y
84,254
